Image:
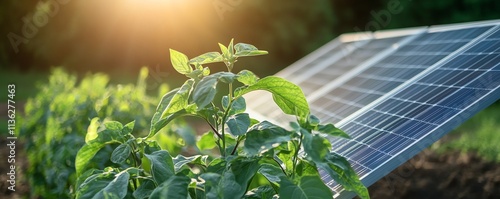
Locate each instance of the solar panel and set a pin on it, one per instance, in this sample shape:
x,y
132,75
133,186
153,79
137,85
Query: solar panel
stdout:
x,y
406,97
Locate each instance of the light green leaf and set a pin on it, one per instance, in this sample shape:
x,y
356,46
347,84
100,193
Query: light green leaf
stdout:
x,y
180,62
330,129
165,100
288,96
206,141
238,124
180,100
246,77
341,171
316,147
162,122
271,172
206,58
110,133
145,190
264,136
92,129
128,128
224,50
121,153
243,50
174,188
205,91
307,188
162,166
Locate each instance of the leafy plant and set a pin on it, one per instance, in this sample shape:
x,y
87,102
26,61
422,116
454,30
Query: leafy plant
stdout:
x,y
58,117
248,150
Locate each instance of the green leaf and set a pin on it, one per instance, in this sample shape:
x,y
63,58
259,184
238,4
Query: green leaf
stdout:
x,y
288,96
224,50
316,147
110,133
206,141
162,122
305,168
180,100
145,189
286,152
116,188
243,50
238,124
128,128
162,166
206,58
233,181
180,62
264,136
261,192
205,91
180,161
313,120
165,100
271,172
226,77
341,171
104,185
239,105
92,130
174,188
121,153
331,130
308,187
246,77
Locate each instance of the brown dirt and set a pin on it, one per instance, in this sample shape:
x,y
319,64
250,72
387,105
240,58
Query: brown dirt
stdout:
x,y
448,175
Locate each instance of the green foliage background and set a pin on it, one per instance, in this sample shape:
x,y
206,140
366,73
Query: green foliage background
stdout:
x,y
56,121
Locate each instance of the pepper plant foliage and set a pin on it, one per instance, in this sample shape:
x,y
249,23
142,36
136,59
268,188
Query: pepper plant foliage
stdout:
x,y
248,149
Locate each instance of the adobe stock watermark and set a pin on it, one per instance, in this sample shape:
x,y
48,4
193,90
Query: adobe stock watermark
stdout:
x,y
222,6
382,18
32,22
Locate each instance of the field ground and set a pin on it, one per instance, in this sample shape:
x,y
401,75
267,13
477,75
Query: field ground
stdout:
x,y
464,164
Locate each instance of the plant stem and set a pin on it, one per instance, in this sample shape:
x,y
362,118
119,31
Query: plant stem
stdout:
x,y
297,149
282,169
236,146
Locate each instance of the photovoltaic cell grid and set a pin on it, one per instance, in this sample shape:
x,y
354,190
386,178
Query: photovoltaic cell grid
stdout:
x,y
402,103
405,123
382,77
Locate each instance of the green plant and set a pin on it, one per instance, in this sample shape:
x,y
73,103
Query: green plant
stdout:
x,y
58,117
249,150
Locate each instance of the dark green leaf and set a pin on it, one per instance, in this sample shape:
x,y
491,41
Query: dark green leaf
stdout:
x,y
264,136
313,120
145,190
205,91
288,96
243,50
210,57
174,188
330,129
121,153
180,62
247,77
262,192
271,172
316,147
116,188
341,171
308,187
226,77
104,185
180,161
179,100
162,166
238,124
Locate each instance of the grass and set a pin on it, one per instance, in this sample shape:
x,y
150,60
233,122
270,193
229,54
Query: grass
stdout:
x,y
480,134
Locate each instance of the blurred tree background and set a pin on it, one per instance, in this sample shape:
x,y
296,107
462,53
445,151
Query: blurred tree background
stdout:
x,y
120,36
